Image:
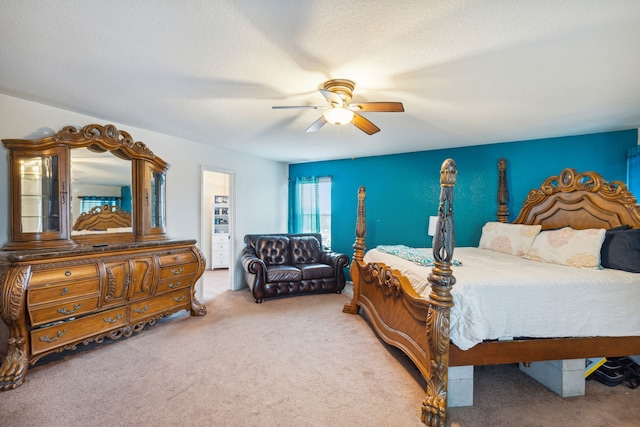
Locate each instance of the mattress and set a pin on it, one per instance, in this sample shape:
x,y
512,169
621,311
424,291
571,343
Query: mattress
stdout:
x,y
501,296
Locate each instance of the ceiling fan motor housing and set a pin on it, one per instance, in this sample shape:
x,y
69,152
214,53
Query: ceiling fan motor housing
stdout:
x,y
342,87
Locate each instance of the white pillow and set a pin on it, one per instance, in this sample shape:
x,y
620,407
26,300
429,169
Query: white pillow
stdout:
x,y
567,246
119,230
514,239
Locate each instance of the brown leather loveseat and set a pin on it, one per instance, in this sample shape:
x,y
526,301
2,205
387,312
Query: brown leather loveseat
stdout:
x,y
287,264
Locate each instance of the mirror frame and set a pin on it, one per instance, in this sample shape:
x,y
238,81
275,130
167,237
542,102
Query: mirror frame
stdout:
x,y
97,138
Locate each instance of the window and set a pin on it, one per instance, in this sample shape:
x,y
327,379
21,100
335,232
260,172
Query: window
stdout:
x,y
310,210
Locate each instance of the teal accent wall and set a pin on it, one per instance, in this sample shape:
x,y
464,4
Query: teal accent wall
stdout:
x,y
403,189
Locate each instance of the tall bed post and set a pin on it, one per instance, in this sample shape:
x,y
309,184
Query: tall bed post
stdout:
x,y
434,406
503,192
358,253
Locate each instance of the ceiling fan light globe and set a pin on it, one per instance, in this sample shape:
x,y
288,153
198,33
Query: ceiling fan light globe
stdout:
x,y
338,116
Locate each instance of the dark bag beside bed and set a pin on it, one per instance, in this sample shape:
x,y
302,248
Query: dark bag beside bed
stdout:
x,y
617,370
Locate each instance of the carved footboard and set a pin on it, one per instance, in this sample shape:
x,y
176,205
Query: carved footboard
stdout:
x,y
395,310
418,327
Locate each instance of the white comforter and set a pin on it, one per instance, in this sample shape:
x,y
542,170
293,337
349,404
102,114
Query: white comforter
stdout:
x,y
500,296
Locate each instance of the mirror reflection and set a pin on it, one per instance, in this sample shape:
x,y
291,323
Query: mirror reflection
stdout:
x,y
100,182
157,200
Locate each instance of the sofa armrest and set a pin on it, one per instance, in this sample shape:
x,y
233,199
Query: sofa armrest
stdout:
x,y
338,262
253,267
335,259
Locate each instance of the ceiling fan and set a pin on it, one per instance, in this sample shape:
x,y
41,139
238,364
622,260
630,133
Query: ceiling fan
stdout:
x,y
338,93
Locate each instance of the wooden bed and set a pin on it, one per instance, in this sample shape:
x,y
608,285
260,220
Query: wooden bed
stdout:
x,y
103,224
420,327
102,218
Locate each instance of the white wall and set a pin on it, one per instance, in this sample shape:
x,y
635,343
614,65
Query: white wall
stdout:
x,y
261,185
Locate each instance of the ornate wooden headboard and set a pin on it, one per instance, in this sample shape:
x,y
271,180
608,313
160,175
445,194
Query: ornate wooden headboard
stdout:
x,y
100,218
580,200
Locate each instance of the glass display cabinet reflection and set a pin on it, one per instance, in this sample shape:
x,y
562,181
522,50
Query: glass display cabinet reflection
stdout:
x,y
40,197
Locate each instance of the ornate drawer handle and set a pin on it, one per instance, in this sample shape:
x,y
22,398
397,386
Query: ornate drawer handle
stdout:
x,y
56,338
67,273
64,291
141,310
109,320
73,310
176,270
174,285
180,298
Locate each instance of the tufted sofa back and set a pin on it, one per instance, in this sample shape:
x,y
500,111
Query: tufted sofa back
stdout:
x,y
250,239
273,250
305,250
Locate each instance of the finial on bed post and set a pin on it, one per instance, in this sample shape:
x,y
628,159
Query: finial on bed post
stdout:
x,y
434,407
503,192
361,226
358,253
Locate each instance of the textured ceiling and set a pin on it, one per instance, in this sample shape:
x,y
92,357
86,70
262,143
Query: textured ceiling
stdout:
x,y
467,72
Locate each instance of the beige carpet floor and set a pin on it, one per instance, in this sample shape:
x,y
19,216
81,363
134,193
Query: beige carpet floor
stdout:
x,y
288,362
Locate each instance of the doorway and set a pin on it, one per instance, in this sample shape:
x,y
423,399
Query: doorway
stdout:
x,y
217,230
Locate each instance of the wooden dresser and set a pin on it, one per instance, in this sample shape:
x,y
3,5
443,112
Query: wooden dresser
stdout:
x,y
53,301
59,290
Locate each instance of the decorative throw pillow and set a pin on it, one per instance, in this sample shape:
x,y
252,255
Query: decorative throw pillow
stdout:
x,y
514,239
567,246
621,250
608,238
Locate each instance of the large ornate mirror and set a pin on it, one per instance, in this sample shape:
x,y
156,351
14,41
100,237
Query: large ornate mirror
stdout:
x,y
103,187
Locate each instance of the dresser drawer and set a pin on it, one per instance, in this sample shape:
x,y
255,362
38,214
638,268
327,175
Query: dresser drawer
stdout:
x,y
219,260
173,284
75,330
62,310
178,271
216,238
160,304
220,246
50,293
177,258
55,275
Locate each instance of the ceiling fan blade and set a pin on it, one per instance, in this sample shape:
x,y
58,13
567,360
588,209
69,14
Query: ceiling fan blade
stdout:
x,y
312,107
389,107
333,98
317,124
364,125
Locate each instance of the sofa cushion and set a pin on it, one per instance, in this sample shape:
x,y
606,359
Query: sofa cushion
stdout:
x,y
315,271
305,250
273,250
283,273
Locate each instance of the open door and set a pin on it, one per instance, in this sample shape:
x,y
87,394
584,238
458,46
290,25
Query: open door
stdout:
x,y
217,230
